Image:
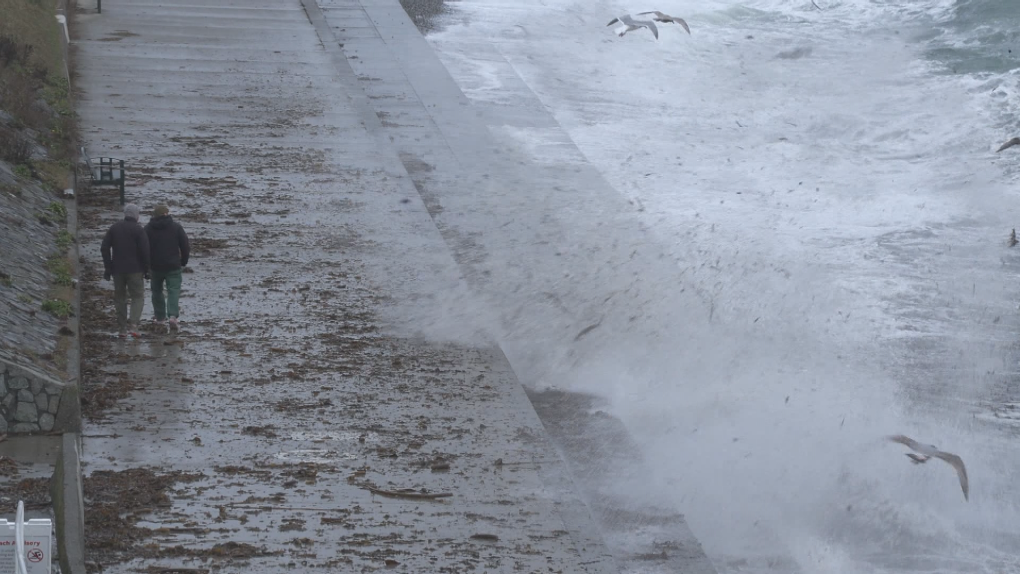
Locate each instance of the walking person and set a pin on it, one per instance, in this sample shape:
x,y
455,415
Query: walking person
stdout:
x,y
170,249
125,252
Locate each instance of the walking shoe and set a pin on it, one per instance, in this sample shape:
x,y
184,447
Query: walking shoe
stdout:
x,y
122,334
158,321
173,323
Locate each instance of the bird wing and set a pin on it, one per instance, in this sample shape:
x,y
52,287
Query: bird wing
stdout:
x,y
1010,143
961,470
906,441
651,26
660,17
613,21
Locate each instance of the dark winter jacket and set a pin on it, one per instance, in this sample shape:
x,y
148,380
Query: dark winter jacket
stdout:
x,y
130,248
168,243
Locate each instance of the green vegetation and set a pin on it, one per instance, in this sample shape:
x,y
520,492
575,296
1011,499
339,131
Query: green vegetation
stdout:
x,y
60,268
57,95
22,170
32,71
5,279
58,208
24,298
57,307
54,174
64,240
33,38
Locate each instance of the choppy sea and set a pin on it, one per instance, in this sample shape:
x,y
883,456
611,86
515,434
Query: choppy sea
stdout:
x,y
827,171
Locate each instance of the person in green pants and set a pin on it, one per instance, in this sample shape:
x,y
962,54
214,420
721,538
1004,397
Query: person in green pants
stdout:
x,y
169,250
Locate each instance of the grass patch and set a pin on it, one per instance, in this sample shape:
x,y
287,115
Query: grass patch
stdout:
x,y
57,208
24,298
60,267
64,240
57,94
63,128
5,279
23,171
32,71
57,307
31,23
53,174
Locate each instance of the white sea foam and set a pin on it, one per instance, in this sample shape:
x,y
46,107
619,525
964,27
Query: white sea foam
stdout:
x,y
842,218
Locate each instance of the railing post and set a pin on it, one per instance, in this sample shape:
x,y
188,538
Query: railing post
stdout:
x,y
19,540
100,4
121,183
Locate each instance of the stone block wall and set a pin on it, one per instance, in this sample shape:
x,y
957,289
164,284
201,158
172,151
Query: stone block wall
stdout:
x,y
29,400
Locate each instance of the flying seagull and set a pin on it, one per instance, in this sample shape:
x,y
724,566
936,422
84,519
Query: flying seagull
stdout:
x,y
630,24
927,451
1010,143
660,17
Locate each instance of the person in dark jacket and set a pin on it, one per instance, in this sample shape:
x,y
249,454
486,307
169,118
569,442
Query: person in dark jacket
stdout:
x,y
125,252
170,249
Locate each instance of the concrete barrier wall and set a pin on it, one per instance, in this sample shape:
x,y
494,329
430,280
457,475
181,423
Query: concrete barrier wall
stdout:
x,y
69,506
67,492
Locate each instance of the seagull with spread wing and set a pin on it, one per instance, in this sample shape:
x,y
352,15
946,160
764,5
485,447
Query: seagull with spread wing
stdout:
x,y
1010,143
630,24
660,17
927,451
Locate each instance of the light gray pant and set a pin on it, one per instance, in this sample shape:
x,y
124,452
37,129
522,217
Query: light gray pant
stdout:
x,y
123,285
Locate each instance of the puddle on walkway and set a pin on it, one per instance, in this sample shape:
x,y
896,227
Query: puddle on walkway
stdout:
x,y
322,436
316,455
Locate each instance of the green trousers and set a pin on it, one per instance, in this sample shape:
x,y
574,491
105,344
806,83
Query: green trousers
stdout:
x,y
132,284
167,307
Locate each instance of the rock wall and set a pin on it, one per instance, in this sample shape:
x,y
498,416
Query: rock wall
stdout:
x,y
28,234
29,400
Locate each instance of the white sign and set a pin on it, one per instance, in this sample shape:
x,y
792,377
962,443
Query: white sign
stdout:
x,y
38,546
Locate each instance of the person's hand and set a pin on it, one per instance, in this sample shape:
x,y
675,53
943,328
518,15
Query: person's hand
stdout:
x,y
107,276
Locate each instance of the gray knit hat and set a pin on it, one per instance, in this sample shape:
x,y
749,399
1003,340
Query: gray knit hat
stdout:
x,y
131,210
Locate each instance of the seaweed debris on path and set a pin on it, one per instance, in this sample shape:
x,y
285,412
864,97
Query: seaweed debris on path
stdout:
x,y
299,416
117,502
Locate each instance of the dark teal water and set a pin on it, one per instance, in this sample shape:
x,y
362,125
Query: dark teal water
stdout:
x,y
977,37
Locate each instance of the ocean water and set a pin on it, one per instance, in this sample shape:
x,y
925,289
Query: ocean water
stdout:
x,y
825,175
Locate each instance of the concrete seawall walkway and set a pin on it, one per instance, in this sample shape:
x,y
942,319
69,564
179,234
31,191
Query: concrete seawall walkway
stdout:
x,y
329,401
273,431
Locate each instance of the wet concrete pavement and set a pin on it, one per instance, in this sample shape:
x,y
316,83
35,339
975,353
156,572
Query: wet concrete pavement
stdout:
x,y
296,423
563,259
329,357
